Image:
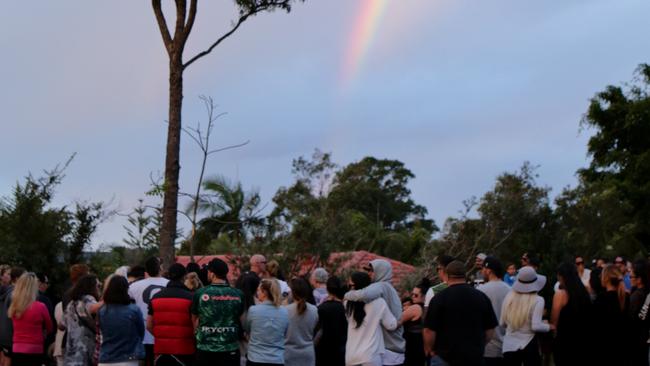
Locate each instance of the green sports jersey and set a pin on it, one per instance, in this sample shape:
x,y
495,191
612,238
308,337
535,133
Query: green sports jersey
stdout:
x,y
218,307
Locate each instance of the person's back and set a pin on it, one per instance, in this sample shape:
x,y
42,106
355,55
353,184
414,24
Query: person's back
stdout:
x,y
28,329
381,287
330,350
122,332
267,325
141,292
496,290
299,346
6,325
614,326
216,310
172,326
366,340
460,317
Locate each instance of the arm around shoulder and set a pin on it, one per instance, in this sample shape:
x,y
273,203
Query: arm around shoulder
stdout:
x,y
366,295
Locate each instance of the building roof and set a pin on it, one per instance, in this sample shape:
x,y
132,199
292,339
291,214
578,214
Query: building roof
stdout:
x,y
342,261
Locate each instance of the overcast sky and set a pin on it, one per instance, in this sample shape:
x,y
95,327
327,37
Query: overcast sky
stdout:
x,y
458,90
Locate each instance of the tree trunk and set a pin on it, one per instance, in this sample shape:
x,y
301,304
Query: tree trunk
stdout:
x,y
172,161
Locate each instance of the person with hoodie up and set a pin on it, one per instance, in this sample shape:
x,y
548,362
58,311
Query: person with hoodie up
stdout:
x,y
381,273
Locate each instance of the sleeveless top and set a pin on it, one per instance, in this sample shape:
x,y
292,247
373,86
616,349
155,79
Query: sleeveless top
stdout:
x,y
415,326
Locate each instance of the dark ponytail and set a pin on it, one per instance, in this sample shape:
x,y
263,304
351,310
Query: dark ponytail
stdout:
x,y
300,291
356,308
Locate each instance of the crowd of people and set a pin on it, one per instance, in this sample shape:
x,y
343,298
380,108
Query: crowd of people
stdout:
x,y
489,314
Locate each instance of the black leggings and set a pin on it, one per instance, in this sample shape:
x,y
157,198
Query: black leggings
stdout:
x,y
529,356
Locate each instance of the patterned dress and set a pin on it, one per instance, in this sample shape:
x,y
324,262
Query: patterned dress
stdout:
x,y
80,326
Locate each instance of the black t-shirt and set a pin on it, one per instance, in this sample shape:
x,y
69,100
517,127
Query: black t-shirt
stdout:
x,y
330,350
460,315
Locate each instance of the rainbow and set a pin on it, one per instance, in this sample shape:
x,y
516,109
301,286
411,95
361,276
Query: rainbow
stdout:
x,y
365,27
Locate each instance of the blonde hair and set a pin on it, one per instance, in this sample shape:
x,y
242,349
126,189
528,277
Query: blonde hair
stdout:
x,y
271,288
192,281
24,294
612,276
273,267
517,309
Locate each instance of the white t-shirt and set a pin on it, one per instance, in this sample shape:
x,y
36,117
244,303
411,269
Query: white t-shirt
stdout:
x,y
366,342
142,291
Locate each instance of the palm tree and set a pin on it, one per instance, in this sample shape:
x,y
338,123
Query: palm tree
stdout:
x,y
230,210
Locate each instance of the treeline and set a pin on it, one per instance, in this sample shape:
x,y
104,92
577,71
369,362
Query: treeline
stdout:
x,y
367,205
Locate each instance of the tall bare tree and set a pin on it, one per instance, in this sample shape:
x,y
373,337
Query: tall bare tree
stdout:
x,y
175,45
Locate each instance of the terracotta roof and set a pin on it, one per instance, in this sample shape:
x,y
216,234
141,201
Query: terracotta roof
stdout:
x,y
340,260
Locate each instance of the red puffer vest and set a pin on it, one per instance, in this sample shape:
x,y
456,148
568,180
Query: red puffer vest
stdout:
x,y
172,322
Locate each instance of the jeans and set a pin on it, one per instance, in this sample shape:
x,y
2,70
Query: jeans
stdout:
x,y
437,361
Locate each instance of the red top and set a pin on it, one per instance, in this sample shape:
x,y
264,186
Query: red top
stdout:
x,y
28,329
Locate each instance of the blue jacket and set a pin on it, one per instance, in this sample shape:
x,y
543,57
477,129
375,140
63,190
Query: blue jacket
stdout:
x,y
122,332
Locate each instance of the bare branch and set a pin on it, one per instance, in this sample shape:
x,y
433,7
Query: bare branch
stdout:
x,y
191,135
240,21
229,147
179,31
162,25
190,19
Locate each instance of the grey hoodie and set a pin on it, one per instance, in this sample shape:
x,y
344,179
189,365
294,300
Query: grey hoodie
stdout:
x,y
382,287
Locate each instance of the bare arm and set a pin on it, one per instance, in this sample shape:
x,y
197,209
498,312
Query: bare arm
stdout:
x,y
150,323
411,313
489,335
195,322
429,337
559,301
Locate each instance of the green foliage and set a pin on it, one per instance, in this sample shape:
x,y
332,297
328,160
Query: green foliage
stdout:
x,y
620,151
514,217
363,206
143,232
40,237
230,211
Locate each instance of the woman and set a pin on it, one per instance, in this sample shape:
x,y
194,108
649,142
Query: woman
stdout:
x,y
521,316
303,318
247,283
571,316
412,321
610,309
192,281
640,328
333,325
30,320
79,323
267,324
365,343
273,268
121,326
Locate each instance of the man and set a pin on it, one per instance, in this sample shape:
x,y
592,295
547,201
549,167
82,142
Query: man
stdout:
x,y
258,265
318,281
496,290
142,291
621,263
216,311
170,322
477,277
441,263
381,273
6,324
459,323
583,272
